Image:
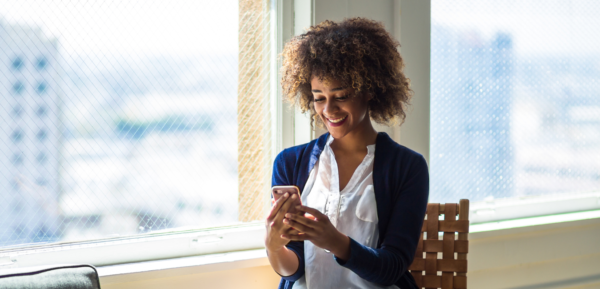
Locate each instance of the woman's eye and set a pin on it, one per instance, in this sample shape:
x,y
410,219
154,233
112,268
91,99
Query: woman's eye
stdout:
x,y
342,97
319,99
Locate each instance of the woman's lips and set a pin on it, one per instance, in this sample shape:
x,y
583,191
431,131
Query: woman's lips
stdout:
x,y
337,121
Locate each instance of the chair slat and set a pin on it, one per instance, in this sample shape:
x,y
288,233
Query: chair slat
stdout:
x,y
460,226
458,282
425,269
460,246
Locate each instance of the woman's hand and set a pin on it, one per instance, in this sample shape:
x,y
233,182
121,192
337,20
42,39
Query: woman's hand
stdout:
x,y
319,230
274,223
283,260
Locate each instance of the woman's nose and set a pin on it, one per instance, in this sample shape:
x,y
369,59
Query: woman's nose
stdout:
x,y
330,107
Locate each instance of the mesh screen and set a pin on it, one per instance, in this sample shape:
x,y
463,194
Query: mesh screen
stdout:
x,y
515,110
121,117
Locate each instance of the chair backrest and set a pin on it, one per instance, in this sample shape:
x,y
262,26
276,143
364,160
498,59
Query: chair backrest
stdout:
x,y
453,247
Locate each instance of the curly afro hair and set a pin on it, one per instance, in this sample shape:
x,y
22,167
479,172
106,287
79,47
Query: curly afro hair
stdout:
x,y
357,52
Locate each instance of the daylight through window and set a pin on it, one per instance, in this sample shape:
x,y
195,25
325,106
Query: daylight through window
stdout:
x,y
154,121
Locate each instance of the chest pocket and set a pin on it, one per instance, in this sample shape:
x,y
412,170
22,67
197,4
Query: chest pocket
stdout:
x,y
366,209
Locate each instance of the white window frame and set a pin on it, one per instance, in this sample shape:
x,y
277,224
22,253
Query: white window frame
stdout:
x,y
413,30
170,243
481,212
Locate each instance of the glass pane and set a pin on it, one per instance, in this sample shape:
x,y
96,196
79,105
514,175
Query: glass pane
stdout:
x,y
117,118
515,110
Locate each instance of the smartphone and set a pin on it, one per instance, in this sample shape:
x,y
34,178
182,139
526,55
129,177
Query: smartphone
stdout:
x,y
279,191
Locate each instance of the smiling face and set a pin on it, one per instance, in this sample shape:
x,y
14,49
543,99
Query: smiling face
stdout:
x,y
341,111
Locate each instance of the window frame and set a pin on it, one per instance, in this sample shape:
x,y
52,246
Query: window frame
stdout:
x,y
485,211
177,242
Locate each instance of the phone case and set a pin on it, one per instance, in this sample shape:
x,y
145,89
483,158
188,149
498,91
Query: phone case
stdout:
x,y
279,191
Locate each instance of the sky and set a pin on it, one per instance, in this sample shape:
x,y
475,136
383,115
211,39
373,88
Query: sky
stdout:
x,y
147,27
198,26
537,26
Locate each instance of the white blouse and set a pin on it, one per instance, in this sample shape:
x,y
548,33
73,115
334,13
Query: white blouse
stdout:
x,y
353,211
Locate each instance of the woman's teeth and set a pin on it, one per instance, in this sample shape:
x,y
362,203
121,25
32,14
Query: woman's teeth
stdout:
x,y
337,120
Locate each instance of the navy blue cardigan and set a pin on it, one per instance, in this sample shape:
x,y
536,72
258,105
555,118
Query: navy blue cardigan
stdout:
x,y
401,184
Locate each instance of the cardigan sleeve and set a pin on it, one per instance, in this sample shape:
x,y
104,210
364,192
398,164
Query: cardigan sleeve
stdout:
x,y
385,265
281,177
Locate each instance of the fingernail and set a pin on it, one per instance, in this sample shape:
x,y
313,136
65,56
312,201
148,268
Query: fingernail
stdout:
x,y
285,195
288,215
293,196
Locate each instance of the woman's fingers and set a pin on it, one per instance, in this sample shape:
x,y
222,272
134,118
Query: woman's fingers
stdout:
x,y
276,206
299,219
291,230
295,237
311,211
309,216
287,205
297,225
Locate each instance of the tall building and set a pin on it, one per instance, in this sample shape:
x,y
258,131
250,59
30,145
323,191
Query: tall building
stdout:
x,y
471,95
29,135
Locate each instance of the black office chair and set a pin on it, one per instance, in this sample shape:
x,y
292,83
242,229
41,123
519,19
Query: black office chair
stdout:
x,y
50,277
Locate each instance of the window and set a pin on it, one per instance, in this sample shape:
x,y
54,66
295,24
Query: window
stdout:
x,y
162,125
17,136
41,182
17,159
41,111
514,111
17,206
17,111
41,158
17,64
41,87
41,135
18,88
41,63
14,186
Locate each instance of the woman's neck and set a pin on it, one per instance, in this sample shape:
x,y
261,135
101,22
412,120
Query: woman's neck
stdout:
x,y
358,139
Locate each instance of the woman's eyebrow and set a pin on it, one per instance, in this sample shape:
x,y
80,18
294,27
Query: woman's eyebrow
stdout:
x,y
334,89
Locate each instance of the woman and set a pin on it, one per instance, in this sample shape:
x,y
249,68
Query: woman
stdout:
x,y
365,195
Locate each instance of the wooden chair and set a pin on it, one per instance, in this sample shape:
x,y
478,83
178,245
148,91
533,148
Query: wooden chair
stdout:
x,y
428,269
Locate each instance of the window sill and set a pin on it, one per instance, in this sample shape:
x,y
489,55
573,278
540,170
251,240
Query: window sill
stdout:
x,y
523,207
139,249
219,250
482,236
533,223
133,272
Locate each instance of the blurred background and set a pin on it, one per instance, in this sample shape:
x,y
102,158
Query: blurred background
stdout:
x,y
118,118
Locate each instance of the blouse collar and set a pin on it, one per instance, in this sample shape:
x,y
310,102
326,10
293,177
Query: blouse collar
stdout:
x,y
370,148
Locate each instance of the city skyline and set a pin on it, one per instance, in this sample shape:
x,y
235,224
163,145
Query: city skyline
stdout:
x,y
146,143
29,135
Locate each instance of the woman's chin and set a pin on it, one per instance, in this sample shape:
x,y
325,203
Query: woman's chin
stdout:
x,y
337,132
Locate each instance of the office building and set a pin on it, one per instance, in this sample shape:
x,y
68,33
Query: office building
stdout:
x,y
29,135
